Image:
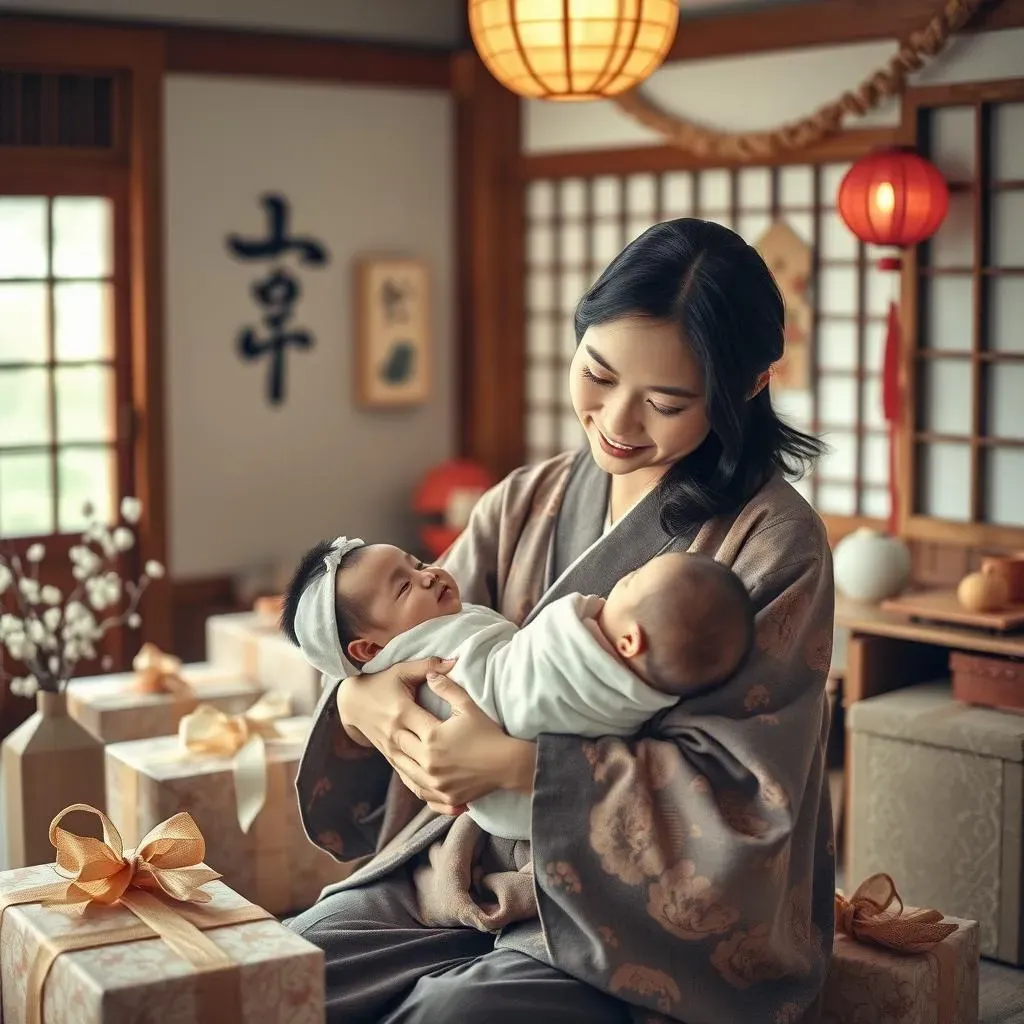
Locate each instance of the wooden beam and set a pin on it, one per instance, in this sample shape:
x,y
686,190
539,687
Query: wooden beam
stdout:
x,y
822,23
491,259
228,52
848,145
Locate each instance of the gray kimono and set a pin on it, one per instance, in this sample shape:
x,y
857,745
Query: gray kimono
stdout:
x,y
689,870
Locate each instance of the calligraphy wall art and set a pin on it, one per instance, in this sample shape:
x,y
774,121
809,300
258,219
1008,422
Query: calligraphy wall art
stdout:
x,y
393,343
277,293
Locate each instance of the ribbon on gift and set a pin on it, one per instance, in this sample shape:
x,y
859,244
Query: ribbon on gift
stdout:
x,y
158,882
156,672
208,730
875,914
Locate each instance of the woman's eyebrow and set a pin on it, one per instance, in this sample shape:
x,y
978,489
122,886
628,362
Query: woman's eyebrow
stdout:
x,y
676,392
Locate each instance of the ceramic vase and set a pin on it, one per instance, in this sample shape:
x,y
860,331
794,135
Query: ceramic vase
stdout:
x,y
870,566
48,762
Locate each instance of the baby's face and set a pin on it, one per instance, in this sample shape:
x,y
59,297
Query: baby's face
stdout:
x,y
395,591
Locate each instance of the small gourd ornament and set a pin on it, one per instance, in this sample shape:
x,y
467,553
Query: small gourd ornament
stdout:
x,y
984,591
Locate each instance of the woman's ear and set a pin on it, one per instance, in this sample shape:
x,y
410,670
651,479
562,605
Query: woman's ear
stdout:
x,y
760,384
361,651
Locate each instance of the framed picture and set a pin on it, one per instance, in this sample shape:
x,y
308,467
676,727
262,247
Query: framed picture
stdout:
x,y
393,343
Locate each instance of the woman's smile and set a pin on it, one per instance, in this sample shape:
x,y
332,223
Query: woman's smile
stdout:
x,y
618,449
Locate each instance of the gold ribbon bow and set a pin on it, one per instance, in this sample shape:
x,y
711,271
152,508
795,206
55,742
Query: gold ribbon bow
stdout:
x,y
875,914
168,863
208,730
156,672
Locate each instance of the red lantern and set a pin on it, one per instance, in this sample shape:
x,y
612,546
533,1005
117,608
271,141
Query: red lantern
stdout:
x,y
894,198
443,500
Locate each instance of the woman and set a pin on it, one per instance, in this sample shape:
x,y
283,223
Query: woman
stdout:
x,y
688,871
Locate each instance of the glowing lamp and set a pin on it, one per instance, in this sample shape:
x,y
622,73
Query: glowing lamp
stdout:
x,y
572,49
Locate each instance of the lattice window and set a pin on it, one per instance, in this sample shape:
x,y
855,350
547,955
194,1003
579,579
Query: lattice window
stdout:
x,y
576,225
57,110
967,447
60,444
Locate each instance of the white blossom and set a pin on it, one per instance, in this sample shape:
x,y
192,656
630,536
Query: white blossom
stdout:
x,y
85,558
5,578
54,664
51,595
29,589
131,510
27,687
134,620
20,647
36,553
154,569
35,631
123,538
51,619
9,624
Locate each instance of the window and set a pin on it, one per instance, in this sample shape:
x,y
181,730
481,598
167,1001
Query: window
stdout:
x,y
60,446
966,417
575,226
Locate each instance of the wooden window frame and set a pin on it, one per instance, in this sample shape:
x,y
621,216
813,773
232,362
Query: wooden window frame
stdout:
x,y
132,168
916,525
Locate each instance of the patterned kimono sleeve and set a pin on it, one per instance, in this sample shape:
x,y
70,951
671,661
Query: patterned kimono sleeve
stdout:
x,y
343,787
688,870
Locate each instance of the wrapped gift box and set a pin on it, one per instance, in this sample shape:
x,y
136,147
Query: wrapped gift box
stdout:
x,y
274,864
114,711
275,977
967,857
872,984
252,644
232,639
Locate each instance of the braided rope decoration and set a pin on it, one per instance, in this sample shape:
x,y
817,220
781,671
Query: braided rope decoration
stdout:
x,y
746,147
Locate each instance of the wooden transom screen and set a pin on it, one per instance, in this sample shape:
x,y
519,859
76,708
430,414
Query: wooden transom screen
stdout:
x,y
575,226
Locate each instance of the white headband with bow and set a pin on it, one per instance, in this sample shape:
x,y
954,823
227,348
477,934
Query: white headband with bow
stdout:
x,y
316,621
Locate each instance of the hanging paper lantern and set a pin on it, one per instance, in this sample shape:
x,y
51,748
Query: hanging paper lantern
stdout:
x,y
893,198
572,49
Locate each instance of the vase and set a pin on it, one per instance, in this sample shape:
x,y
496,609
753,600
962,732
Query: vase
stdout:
x,y
49,762
870,566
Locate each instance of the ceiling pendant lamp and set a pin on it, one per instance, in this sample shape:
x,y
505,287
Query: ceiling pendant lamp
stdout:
x,y
572,49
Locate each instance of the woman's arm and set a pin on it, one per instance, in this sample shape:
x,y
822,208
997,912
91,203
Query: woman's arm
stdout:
x,y
701,851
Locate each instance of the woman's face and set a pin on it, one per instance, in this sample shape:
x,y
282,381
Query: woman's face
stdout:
x,y
639,393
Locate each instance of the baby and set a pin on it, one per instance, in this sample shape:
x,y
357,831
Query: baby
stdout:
x,y
674,628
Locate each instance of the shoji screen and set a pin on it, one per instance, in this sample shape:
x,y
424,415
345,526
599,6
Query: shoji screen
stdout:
x,y
575,226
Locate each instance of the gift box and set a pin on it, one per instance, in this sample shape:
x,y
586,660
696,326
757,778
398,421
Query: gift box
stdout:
x,y
205,954
249,814
252,644
120,707
900,966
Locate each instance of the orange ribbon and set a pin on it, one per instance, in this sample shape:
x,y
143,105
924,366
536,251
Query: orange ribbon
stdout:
x,y
875,913
157,672
168,864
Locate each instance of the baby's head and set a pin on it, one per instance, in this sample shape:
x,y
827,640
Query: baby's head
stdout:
x,y
682,622
379,592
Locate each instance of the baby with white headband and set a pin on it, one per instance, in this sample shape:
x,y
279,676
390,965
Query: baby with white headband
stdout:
x,y
584,666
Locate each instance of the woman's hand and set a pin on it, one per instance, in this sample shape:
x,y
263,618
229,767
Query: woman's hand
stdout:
x,y
374,708
450,763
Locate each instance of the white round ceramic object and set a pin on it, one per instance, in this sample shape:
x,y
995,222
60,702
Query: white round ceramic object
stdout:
x,y
870,566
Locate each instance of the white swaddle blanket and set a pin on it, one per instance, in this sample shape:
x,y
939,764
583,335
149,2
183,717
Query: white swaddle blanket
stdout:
x,y
553,676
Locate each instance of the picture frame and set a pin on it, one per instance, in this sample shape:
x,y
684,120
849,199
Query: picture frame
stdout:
x,y
394,346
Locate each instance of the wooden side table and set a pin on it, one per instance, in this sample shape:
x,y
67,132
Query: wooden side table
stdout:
x,y
885,651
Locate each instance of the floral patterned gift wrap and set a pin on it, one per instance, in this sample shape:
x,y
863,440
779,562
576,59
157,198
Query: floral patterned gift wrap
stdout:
x,y
893,965
152,699
242,798
177,950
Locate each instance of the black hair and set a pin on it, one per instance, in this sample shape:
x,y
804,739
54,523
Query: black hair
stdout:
x,y
729,310
702,627
351,622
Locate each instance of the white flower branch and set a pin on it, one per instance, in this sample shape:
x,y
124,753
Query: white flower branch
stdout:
x,y
52,634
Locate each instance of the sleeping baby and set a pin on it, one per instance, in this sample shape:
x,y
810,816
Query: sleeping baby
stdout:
x,y
585,666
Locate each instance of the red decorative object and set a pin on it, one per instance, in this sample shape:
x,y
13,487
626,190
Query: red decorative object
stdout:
x,y
893,197
444,499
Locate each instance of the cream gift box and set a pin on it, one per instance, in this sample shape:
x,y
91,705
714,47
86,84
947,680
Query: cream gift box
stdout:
x,y
114,710
273,863
106,966
926,982
252,644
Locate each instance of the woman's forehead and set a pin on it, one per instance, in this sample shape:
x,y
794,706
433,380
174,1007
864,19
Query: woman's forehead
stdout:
x,y
646,351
